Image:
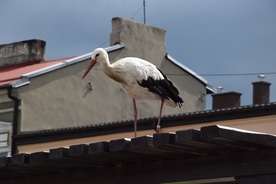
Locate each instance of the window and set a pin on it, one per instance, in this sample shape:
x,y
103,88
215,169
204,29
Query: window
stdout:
x,y
4,139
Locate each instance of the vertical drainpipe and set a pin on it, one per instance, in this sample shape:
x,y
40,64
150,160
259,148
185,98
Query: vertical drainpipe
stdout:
x,y
15,118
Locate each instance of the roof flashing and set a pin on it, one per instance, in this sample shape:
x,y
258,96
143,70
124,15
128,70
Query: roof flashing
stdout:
x,y
21,82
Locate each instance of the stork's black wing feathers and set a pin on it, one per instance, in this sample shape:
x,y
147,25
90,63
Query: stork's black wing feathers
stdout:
x,y
164,88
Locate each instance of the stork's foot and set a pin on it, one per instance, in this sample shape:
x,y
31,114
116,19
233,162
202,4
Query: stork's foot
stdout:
x,y
156,127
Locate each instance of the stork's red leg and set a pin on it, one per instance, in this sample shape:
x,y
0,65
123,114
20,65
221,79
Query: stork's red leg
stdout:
x,y
158,127
135,117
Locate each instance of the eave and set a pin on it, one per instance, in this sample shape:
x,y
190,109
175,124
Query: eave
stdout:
x,y
190,118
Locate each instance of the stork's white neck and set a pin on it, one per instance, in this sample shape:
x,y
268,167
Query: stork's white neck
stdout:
x,y
105,64
110,71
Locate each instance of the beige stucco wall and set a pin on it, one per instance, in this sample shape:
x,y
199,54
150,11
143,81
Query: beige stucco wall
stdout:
x,y
61,99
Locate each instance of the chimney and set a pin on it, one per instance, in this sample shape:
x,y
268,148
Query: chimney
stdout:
x,y
22,52
141,40
226,100
261,90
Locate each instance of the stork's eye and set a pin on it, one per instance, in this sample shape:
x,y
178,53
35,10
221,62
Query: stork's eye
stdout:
x,y
97,55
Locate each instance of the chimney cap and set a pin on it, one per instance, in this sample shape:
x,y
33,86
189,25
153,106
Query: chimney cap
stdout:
x,y
261,77
219,89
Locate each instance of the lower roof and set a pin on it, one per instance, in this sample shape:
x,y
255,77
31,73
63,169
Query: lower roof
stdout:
x,y
211,152
185,119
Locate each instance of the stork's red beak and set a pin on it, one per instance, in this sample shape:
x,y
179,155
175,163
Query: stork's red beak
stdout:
x,y
92,63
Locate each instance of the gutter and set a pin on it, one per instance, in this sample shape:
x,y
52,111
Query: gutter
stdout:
x,y
15,119
207,117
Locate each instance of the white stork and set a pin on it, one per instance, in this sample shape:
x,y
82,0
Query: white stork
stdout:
x,y
140,79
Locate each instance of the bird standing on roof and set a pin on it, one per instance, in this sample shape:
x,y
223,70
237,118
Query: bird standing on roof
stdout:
x,y
140,79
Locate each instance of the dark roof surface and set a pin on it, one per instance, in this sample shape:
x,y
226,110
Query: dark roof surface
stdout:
x,y
211,152
188,118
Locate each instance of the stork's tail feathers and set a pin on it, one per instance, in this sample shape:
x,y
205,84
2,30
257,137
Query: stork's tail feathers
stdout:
x,y
172,92
164,88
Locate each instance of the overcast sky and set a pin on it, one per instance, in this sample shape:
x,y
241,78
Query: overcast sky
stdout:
x,y
208,36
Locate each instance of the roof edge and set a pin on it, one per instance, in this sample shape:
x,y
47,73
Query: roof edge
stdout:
x,y
21,82
186,69
210,89
25,78
189,118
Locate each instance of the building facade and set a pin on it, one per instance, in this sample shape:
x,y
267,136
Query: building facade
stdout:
x,y
42,95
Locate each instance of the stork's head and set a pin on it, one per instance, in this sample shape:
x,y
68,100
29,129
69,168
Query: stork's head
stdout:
x,y
98,55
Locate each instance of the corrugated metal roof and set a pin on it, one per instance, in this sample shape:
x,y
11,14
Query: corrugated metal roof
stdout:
x,y
189,118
